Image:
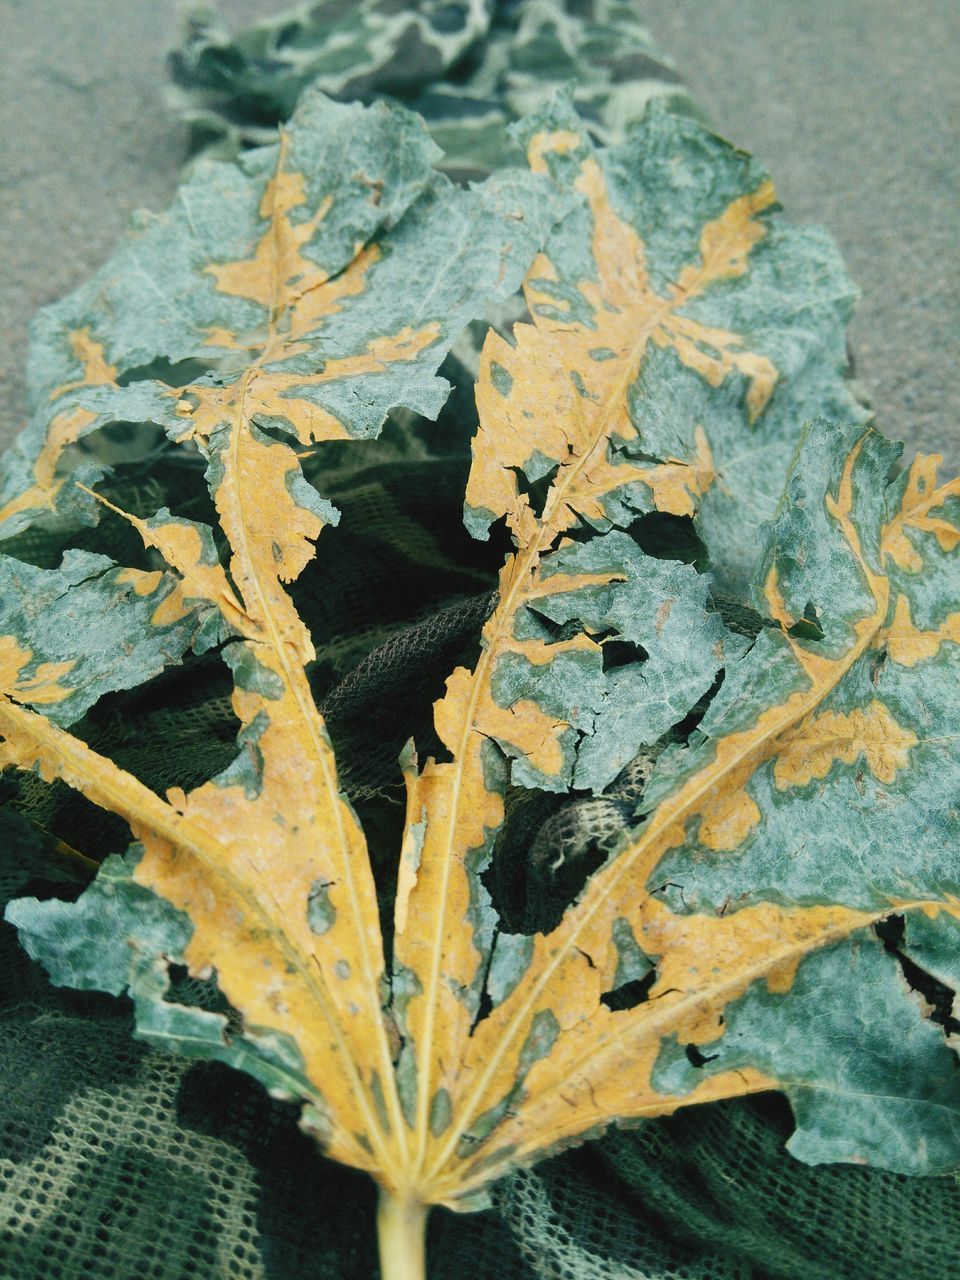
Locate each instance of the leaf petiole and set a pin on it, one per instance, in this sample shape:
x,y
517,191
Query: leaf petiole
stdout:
x,y
401,1232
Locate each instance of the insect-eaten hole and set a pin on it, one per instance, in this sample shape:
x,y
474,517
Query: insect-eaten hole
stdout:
x,y
682,730
696,1058
669,537
878,660
289,34
162,732
939,998
200,993
891,932
558,632
127,448
630,994
175,373
44,888
622,653
809,627
536,491
663,536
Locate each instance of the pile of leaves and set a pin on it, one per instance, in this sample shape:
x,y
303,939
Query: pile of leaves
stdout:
x,y
677,823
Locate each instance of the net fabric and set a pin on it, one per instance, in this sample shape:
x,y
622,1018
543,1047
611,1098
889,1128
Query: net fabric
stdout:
x,y
549,1212
723,1172
721,1176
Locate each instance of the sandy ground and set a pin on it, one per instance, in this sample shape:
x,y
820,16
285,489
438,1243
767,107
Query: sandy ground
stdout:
x,y
854,105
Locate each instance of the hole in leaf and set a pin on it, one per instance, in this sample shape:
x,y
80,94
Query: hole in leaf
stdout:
x,y
622,653
278,434
291,33
669,537
938,996
46,887
630,994
878,661
177,729
891,932
737,616
698,1059
549,845
684,728
484,1008
536,491
559,631
809,626
178,373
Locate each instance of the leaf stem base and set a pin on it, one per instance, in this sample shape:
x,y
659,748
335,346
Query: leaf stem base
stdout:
x,y
401,1231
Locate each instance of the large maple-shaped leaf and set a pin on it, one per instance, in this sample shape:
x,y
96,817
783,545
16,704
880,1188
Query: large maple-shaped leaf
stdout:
x,y
727,945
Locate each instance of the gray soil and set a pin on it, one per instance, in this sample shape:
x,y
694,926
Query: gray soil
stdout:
x,y
854,106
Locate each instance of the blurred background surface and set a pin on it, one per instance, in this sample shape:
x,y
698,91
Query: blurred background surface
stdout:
x,y
854,106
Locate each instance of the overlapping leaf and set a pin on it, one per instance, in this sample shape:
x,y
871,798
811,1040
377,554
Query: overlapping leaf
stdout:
x,y
250,82
469,68
679,335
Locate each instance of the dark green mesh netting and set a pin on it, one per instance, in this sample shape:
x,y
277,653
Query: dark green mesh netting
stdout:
x,y
120,1163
